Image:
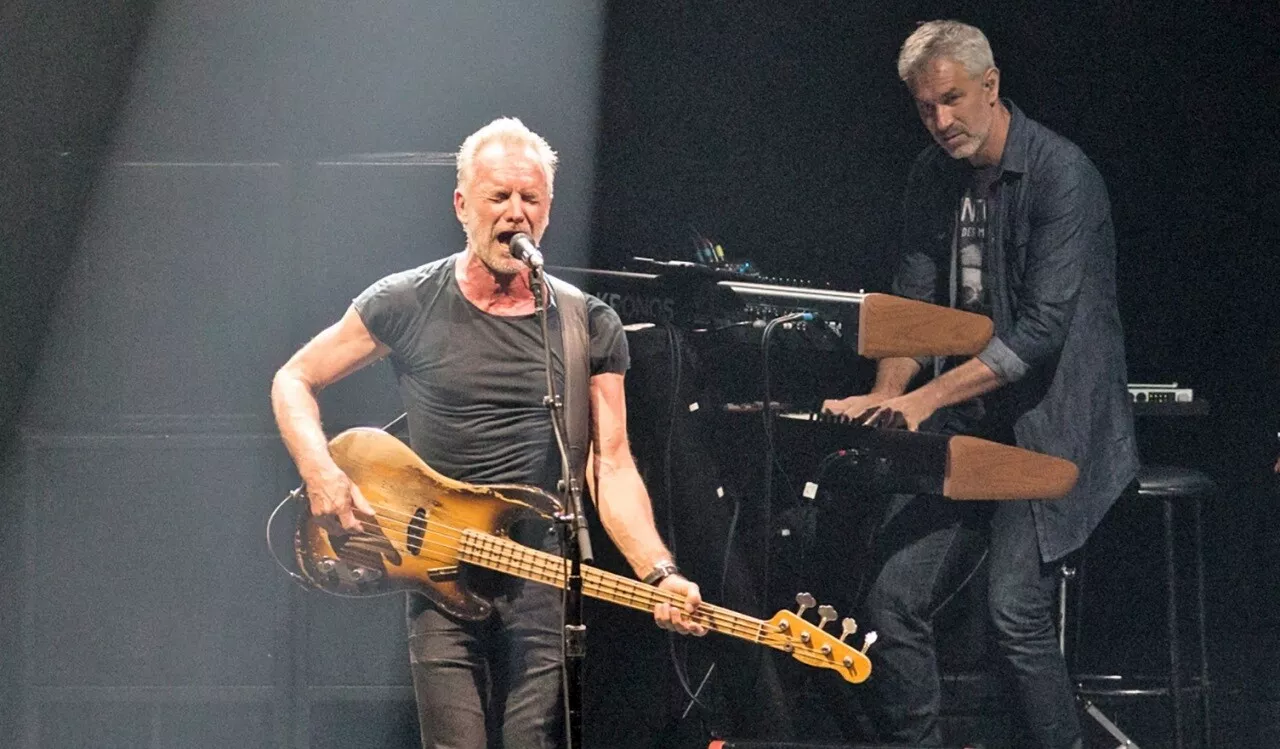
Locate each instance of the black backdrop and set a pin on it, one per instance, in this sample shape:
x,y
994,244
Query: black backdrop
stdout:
x,y
778,130
781,131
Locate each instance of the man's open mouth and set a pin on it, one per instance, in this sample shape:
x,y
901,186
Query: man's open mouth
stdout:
x,y
505,237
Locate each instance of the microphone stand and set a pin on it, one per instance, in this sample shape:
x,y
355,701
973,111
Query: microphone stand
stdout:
x,y
571,524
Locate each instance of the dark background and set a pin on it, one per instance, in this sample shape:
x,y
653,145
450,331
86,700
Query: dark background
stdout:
x,y
191,190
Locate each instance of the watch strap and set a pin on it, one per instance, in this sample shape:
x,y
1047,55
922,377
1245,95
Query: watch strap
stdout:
x,y
661,571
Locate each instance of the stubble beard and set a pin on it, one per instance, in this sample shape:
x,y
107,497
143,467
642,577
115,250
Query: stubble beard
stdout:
x,y
499,263
970,143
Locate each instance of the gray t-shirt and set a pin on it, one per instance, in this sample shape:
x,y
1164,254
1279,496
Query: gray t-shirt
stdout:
x,y
473,382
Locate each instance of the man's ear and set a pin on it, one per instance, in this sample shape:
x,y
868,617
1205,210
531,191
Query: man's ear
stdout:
x,y
991,84
459,204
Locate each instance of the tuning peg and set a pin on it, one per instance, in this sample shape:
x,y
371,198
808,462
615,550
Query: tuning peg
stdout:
x,y
848,627
866,641
826,614
806,601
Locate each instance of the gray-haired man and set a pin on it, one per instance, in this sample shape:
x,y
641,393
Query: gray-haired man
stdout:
x,y
1005,218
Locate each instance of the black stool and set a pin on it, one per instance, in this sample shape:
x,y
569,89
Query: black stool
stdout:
x,y
1180,490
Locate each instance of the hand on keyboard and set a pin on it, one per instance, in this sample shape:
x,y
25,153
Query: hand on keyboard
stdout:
x,y
903,412
854,406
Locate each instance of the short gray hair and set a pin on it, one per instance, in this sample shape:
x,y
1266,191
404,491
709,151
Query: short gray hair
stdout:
x,y
950,40
507,130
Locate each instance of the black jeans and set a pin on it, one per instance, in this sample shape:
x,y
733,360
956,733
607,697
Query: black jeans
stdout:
x,y
495,683
926,549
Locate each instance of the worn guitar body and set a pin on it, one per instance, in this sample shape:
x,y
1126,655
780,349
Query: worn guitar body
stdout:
x,y
413,543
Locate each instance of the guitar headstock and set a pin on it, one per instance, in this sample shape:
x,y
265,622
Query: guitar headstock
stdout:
x,y
812,645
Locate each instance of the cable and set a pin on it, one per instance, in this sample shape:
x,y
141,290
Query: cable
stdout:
x,y
770,457
676,357
294,496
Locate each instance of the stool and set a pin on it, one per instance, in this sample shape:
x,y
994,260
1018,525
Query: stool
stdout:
x,y
1179,489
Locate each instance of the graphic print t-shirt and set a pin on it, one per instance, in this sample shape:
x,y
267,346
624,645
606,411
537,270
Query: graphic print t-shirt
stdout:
x,y
968,279
971,292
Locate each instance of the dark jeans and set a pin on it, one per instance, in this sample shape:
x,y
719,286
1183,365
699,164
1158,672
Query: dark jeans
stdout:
x,y
490,684
925,551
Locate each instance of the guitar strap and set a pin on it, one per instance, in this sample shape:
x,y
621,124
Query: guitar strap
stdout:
x,y
576,341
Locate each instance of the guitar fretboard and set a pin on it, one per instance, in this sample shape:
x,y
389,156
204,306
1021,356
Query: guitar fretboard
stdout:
x,y
505,555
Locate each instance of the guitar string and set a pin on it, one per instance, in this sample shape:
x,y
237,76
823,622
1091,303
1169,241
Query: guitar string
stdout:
x,y
616,586
636,594
622,590
607,587
549,569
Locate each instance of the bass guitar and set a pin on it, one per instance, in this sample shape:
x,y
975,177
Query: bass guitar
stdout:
x,y
427,528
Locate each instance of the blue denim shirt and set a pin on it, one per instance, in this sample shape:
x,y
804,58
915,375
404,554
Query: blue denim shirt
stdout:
x,y
1058,345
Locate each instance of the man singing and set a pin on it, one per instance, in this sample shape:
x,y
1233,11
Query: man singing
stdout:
x,y
466,349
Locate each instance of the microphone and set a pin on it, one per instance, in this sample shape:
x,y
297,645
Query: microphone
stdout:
x,y
523,248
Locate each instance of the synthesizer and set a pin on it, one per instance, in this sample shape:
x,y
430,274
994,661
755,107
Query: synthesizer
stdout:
x,y
695,297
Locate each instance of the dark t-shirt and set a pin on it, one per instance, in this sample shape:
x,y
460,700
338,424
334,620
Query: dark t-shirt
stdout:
x,y
971,253
473,382
990,415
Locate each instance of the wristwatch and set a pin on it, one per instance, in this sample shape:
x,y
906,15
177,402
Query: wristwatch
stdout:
x,y
661,571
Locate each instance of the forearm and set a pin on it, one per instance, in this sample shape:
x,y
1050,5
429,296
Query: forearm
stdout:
x,y
297,414
627,514
969,380
893,375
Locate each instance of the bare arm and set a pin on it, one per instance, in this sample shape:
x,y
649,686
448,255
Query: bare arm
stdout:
x,y
342,348
886,400
623,501
969,380
892,377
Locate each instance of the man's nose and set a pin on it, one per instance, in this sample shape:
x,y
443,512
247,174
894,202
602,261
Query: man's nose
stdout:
x,y
515,210
942,118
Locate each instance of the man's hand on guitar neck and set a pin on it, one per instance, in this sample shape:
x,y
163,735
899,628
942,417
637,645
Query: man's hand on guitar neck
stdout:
x,y
676,619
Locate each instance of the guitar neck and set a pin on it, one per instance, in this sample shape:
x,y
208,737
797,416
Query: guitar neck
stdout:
x,y
507,556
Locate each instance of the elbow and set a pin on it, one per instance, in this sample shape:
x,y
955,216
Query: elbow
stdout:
x,y
614,460
1038,338
280,385
1006,363
613,473
281,381
605,470
288,379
